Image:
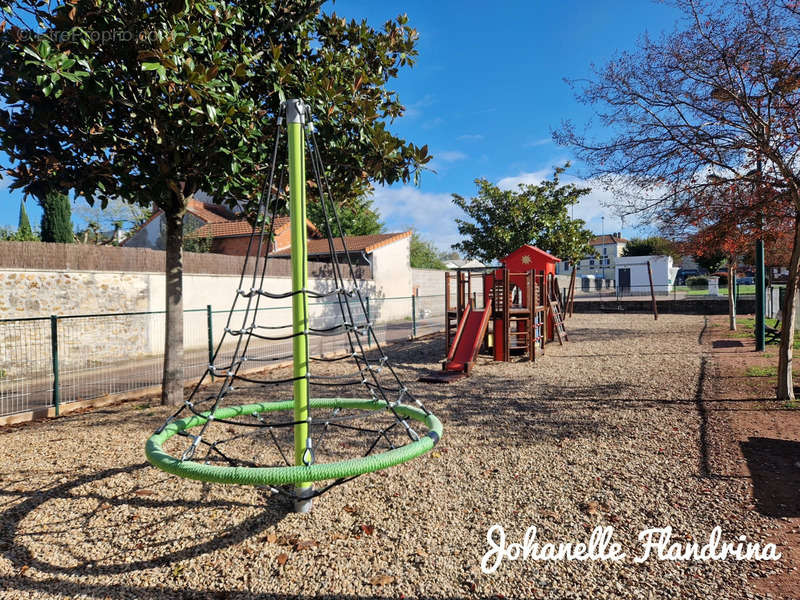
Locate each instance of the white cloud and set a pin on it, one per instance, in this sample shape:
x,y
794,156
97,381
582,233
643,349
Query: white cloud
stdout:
x,y
470,137
450,156
432,215
415,109
433,123
538,142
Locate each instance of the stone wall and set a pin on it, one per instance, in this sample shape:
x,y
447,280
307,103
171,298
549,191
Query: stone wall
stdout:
x,y
72,281
43,293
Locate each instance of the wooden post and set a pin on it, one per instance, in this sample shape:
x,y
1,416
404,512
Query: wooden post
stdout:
x,y
529,279
447,300
732,293
571,292
469,288
506,316
652,291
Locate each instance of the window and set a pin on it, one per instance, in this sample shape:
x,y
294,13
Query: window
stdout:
x,y
591,262
605,251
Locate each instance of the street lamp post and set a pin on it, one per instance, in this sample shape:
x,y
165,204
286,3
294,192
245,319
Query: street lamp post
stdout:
x,y
603,257
760,289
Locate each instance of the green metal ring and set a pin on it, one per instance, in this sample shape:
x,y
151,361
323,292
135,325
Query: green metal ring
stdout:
x,y
297,474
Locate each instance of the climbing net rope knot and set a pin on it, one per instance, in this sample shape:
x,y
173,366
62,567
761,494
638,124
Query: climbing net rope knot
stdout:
x,y
326,439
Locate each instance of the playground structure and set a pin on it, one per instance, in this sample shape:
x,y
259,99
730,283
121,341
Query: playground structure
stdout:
x,y
242,437
522,311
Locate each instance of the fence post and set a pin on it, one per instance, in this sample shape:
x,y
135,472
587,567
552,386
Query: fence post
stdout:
x,y
210,324
54,353
366,301
413,316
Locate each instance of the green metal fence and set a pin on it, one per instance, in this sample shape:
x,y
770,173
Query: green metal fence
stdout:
x,y
48,361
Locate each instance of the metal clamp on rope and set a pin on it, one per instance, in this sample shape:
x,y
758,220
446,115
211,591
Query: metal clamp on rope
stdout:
x,y
189,452
411,433
308,455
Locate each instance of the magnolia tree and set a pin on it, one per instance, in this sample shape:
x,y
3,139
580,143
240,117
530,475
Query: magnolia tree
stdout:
x,y
500,221
715,103
153,101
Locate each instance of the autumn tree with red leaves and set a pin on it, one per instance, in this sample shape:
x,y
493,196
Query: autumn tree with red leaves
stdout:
x,y
726,219
715,103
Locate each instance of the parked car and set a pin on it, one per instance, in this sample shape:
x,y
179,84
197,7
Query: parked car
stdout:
x,y
683,274
746,281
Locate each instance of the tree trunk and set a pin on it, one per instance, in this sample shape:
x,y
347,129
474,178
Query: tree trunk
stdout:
x,y
172,381
732,294
788,310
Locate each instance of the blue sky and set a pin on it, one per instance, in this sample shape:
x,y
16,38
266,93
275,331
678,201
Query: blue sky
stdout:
x,y
484,95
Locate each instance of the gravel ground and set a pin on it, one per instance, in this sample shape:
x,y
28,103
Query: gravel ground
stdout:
x,y
605,430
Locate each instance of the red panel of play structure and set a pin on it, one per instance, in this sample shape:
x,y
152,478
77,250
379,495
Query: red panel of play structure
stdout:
x,y
530,258
527,258
468,339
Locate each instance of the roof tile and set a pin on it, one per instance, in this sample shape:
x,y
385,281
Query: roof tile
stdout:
x,y
354,243
607,239
239,228
210,212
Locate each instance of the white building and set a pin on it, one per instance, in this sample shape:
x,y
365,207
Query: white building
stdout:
x,y
633,279
609,248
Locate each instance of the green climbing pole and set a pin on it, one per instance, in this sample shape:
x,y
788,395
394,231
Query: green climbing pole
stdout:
x,y
295,118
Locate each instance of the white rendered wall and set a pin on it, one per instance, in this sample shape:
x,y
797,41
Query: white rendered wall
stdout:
x,y
663,273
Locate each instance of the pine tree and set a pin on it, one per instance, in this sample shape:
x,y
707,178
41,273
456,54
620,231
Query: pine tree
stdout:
x,y
56,218
24,232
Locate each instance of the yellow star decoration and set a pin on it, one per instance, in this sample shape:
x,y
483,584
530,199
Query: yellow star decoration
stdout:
x,y
526,260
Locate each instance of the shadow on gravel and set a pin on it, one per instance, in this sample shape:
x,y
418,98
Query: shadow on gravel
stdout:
x,y
72,589
78,494
727,344
774,469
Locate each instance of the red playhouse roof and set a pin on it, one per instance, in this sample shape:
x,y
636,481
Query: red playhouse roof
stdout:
x,y
532,253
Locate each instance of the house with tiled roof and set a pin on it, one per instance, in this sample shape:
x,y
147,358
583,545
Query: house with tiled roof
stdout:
x,y
233,237
388,255
608,247
153,234
227,232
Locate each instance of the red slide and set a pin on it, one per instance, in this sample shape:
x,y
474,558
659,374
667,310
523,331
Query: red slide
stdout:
x,y
468,340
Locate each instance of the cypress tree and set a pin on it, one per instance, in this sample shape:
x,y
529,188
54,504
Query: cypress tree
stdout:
x,y
24,231
56,218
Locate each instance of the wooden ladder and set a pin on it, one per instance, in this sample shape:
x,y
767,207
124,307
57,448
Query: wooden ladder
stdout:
x,y
558,323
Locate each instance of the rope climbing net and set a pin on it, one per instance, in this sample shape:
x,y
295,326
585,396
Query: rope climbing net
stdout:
x,y
373,422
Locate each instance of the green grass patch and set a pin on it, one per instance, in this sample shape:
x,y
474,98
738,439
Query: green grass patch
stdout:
x,y
765,372
761,372
744,290
750,323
